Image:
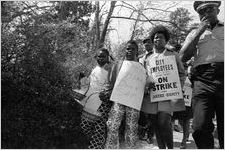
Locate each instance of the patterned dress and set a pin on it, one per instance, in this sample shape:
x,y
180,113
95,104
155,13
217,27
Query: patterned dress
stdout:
x,y
95,111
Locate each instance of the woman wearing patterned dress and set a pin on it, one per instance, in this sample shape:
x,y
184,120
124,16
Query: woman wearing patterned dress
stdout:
x,y
95,111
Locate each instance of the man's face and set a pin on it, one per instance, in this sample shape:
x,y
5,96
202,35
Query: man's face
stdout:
x,y
208,13
102,58
131,51
159,41
148,45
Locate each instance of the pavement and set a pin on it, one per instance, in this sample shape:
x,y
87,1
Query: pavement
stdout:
x,y
177,138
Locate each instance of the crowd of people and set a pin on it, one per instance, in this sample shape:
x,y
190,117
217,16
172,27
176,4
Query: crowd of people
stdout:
x,y
121,92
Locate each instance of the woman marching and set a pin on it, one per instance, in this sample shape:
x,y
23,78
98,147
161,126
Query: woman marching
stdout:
x,y
97,104
162,111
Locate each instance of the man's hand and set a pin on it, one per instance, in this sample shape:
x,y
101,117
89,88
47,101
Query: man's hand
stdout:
x,y
189,47
204,25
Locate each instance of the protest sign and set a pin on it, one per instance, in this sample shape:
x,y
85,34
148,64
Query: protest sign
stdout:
x,y
130,84
164,71
187,92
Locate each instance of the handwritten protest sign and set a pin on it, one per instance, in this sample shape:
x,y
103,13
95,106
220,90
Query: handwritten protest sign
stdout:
x,y
187,92
164,71
130,84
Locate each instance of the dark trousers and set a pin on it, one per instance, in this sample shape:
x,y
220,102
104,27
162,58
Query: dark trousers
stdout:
x,y
208,100
163,130
145,121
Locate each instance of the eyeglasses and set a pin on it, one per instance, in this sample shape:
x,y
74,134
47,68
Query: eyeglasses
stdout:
x,y
206,10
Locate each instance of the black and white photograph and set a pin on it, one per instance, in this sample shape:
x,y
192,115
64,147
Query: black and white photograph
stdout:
x,y
112,74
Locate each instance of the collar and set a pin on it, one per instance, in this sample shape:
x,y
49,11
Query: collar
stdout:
x,y
218,24
148,53
154,51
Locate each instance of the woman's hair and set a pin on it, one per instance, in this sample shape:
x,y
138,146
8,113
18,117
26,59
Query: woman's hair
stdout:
x,y
105,51
133,42
160,29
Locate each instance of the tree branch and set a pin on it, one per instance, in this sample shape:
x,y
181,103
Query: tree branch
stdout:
x,y
102,6
142,20
146,17
148,20
129,5
30,7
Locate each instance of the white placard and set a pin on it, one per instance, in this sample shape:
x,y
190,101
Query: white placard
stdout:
x,y
164,71
187,92
130,84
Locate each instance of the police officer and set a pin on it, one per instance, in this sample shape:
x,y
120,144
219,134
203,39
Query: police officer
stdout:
x,y
206,44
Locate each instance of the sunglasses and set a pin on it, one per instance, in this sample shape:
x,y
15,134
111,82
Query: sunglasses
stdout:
x,y
206,10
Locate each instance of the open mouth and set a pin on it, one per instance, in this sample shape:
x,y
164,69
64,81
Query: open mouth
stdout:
x,y
129,53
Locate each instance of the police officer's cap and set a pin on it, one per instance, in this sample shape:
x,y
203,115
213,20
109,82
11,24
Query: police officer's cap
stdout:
x,y
203,4
160,29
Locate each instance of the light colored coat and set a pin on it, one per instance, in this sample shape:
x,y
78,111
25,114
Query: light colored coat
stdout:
x,y
169,106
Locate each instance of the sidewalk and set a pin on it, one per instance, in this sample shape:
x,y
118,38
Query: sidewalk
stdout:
x,y
177,138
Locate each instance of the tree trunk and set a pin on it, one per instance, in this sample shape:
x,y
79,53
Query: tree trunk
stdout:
x,y
106,24
97,23
135,25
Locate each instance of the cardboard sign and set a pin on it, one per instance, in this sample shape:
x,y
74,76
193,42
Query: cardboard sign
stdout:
x,y
187,92
130,84
164,71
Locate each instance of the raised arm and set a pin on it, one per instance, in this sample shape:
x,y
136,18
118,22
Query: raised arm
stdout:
x,y
189,48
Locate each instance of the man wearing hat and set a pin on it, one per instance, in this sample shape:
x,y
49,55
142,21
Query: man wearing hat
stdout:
x,y
144,122
206,44
148,50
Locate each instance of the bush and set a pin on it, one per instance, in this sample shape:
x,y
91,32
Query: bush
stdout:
x,y
38,110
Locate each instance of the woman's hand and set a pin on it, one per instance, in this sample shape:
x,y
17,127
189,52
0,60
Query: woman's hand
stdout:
x,y
105,95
